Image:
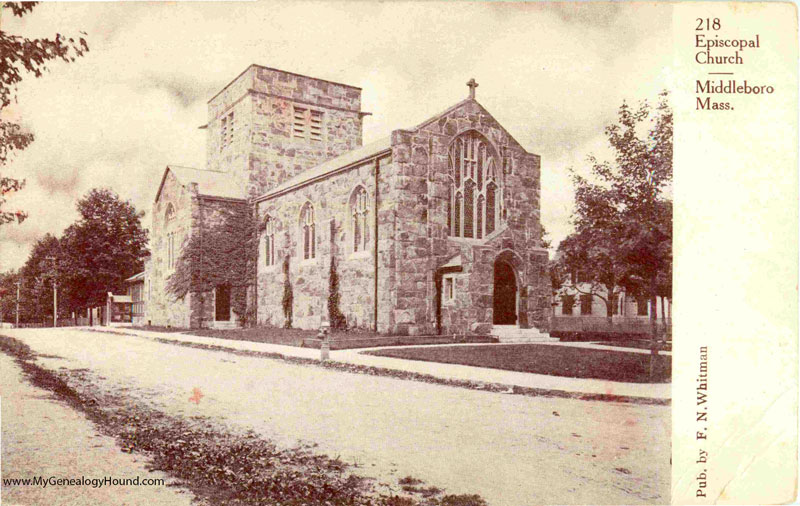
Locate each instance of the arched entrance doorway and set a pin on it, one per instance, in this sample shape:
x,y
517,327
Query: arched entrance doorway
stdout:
x,y
505,294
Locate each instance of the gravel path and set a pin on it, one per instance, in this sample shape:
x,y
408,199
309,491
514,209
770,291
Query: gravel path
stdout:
x,y
512,450
45,437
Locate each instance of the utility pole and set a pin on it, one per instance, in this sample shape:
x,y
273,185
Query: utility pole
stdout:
x,y
55,291
16,324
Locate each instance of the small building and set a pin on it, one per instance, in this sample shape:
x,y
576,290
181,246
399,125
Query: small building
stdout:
x,y
119,309
577,310
136,293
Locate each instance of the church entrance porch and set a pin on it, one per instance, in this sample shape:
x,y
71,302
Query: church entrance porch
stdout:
x,y
504,299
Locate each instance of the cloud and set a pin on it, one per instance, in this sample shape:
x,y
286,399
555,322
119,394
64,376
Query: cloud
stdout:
x,y
185,90
553,74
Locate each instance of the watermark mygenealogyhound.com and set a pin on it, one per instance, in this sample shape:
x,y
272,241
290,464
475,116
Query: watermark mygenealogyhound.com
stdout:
x,y
107,481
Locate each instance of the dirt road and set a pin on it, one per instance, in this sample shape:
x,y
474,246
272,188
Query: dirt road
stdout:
x,y
45,437
512,450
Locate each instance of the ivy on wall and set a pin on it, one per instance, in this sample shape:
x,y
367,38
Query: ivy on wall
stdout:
x,y
335,316
220,252
288,295
336,319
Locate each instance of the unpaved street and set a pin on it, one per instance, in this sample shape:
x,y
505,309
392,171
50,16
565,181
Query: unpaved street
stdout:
x,y
510,449
45,437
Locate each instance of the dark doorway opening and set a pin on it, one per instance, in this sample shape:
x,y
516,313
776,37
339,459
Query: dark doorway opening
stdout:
x,y
505,295
223,303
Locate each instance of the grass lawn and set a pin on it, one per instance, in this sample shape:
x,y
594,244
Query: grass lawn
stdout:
x,y
545,359
339,340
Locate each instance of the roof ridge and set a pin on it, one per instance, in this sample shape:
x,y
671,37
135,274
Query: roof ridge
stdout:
x,y
172,165
345,159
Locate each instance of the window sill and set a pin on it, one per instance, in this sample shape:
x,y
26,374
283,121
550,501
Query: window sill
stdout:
x,y
478,242
269,268
309,262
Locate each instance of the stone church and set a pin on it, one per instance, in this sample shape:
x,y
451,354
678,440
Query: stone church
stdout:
x,y
434,229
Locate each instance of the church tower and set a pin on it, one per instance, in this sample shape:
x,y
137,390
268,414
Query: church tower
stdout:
x,y
268,125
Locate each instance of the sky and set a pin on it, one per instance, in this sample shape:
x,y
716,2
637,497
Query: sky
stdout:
x,y
552,74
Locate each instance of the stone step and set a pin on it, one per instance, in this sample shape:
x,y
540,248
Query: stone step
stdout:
x,y
222,325
514,334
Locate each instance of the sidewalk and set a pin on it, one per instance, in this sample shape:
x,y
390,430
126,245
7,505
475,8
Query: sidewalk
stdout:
x,y
656,391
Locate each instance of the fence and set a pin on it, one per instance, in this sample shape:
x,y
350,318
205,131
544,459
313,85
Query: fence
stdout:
x,y
62,322
618,325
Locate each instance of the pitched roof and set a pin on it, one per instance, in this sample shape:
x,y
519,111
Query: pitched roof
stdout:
x,y
340,162
135,278
456,106
209,182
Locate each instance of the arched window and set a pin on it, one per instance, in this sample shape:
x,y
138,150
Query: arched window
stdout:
x,y
170,214
308,231
269,241
359,209
472,209
169,217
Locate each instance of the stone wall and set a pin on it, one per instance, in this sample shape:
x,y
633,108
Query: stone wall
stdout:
x,y
264,152
196,309
210,212
413,240
161,308
420,189
334,234
413,188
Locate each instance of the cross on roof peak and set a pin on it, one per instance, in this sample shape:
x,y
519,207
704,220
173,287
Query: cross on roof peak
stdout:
x,y
472,85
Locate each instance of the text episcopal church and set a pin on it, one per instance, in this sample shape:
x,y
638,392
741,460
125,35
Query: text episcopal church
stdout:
x,y
434,229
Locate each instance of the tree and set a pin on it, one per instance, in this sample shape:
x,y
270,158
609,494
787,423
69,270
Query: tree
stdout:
x,y
42,270
20,55
592,263
103,248
221,253
623,217
8,295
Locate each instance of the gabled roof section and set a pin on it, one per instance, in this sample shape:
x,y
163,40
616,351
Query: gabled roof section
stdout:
x,y
466,101
363,153
135,278
210,183
324,169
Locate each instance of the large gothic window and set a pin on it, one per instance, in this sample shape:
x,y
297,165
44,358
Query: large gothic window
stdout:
x,y
308,231
472,209
269,241
359,208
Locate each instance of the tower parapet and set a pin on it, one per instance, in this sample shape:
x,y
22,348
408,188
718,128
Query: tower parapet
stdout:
x,y
268,125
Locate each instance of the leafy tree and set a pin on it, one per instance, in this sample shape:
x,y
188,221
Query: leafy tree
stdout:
x,y
218,254
623,216
9,185
592,263
43,267
103,248
20,55
8,295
